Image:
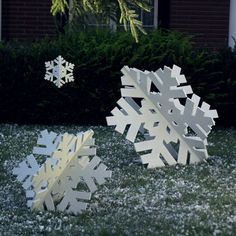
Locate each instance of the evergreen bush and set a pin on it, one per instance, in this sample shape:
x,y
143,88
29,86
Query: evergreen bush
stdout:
x,y
99,55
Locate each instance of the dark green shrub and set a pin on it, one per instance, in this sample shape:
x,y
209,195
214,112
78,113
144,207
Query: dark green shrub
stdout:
x,y
25,97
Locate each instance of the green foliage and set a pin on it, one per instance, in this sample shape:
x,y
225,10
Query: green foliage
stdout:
x,y
25,97
108,8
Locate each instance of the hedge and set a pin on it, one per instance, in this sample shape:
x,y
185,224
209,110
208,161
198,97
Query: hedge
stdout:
x,y
99,55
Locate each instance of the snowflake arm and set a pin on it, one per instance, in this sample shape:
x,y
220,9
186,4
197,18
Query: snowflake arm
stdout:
x,y
93,170
200,119
70,202
47,143
26,170
128,115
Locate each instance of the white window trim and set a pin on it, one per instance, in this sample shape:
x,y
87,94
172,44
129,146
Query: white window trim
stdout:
x,y
156,8
155,16
0,20
232,23
70,8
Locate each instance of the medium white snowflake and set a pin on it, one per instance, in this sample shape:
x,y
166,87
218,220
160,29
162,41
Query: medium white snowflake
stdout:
x,y
70,163
59,71
174,126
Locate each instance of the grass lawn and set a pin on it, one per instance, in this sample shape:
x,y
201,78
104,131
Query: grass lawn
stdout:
x,y
178,200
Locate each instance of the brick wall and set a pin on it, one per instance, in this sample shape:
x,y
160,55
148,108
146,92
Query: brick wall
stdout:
x,y
208,20
26,19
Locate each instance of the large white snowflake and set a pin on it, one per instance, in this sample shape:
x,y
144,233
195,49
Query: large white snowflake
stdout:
x,y
66,179
174,126
59,71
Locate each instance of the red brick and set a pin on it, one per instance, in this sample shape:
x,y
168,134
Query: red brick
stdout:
x,y
20,16
208,20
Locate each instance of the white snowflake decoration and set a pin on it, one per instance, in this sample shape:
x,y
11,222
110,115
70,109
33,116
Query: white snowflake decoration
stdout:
x,y
70,160
173,133
59,71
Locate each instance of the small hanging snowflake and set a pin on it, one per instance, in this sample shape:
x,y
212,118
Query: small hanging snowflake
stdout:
x,y
66,179
59,71
174,126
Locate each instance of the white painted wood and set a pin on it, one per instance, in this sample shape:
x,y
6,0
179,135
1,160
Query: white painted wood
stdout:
x,y
155,20
47,143
70,160
0,20
26,170
112,25
59,71
162,117
232,23
70,10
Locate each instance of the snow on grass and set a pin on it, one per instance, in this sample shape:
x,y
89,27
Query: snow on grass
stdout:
x,y
178,200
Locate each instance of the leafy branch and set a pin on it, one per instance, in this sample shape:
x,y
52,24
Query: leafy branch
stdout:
x,y
59,6
128,16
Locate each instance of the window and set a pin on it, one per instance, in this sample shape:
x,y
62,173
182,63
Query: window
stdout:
x,y
150,19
